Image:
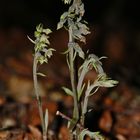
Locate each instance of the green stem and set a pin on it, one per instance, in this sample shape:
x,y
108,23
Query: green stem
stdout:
x,y
77,1
36,90
73,77
85,103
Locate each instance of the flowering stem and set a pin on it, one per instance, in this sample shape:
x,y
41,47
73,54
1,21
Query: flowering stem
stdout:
x,y
73,77
36,90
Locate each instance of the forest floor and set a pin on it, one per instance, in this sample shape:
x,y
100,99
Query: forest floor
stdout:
x,y
115,112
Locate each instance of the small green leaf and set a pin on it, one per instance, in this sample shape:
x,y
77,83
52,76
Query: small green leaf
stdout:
x,y
74,56
92,135
46,120
66,52
67,61
68,91
81,91
89,110
42,60
108,83
44,39
67,1
41,74
49,53
59,25
78,49
64,15
63,19
81,54
31,40
47,31
103,57
94,91
104,81
37,34
39,28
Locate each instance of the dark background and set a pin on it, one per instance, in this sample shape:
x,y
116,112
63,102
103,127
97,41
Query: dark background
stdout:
x,y
115,26
27,13
115,33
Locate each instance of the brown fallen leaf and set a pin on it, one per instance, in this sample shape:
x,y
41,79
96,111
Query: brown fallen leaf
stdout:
x,y
35,132
18,66
16,137
24,91
106,121
4,134
2,100
64,133
108,102
28,136
120,137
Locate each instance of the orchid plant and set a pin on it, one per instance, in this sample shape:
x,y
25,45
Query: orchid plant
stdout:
x,y
42,53
77,28
80,90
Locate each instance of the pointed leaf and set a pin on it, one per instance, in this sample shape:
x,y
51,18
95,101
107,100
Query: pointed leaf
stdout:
x,y
41,74
39,28
37,34
92,135
31,40
44,38
65,52
47,31
35,132
68,61
68,91
67,1
79,51
49,53
46,119
81,91
108,83
64,15
94,91
59,25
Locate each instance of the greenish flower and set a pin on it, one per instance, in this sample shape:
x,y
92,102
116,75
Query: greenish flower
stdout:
x,y
67,1
104,81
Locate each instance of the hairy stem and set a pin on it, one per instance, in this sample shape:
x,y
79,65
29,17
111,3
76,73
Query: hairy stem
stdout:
x,y
36,90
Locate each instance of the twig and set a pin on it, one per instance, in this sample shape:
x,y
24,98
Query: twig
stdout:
x,y
69,119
